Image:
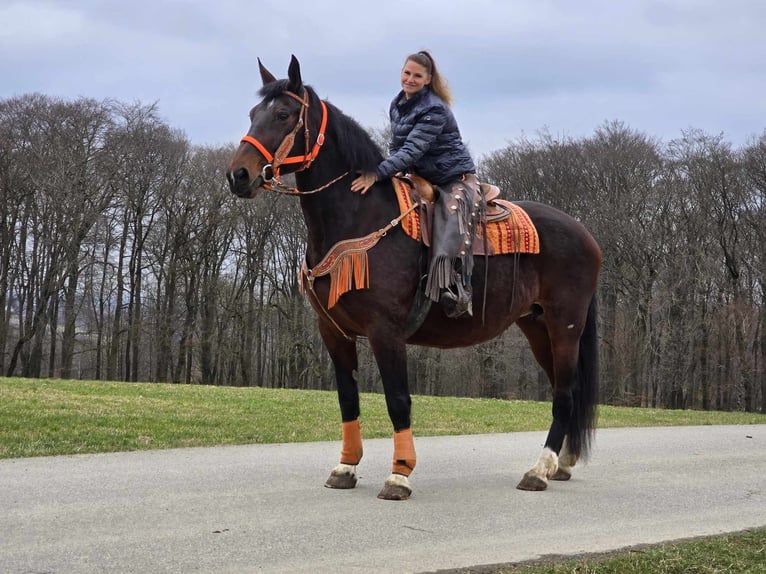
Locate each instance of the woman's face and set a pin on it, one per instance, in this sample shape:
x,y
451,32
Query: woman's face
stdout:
x,y
414,78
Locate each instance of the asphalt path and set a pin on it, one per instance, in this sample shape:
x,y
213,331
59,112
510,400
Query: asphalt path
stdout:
x,y
263,508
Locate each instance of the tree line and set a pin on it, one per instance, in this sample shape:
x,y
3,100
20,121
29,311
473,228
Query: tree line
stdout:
x,y
123,256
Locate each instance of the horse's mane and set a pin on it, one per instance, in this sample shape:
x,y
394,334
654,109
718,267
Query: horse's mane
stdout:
x,y
354,144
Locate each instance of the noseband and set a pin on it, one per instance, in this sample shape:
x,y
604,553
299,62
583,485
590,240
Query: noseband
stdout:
x,y
280,156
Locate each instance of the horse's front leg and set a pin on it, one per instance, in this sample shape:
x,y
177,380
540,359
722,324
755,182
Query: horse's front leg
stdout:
x,y
344,358
391,357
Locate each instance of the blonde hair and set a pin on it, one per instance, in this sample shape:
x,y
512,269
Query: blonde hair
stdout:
x,y
439,84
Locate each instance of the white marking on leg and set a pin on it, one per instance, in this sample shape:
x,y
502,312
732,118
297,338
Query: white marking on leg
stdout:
x,y
566,458
399,480
396,487
546,465
566,461
344,469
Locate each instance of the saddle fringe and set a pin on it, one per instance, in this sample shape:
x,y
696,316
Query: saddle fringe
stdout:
x,y
440,277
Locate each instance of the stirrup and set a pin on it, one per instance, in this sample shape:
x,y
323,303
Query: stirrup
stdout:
x,y
456,305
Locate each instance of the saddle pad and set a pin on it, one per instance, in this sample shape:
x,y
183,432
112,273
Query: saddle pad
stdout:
x,y
515,234
411,222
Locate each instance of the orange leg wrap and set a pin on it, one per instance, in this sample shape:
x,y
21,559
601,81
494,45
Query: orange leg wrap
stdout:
x,y
351,453
404,452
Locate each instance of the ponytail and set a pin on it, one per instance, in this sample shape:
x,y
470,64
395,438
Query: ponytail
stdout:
x,y
439,84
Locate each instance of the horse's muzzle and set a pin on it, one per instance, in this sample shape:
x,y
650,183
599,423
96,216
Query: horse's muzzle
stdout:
x,y
240,183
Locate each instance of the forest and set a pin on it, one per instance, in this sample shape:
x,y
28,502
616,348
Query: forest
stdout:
x,y
123,256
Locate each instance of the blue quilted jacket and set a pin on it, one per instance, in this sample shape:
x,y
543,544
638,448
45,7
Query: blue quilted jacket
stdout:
x,y
425,139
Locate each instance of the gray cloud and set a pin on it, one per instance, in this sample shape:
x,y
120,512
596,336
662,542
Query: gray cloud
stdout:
x,y
515,67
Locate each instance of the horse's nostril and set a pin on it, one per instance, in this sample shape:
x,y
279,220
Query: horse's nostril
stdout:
x,y
240,175
239,180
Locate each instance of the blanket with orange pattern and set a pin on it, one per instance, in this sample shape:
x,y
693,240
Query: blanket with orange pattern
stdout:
x,y
514,234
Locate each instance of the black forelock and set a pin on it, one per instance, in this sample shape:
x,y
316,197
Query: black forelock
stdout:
x,y
274,89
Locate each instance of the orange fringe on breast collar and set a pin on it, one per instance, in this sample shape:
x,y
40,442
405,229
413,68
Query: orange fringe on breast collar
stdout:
x,y
346,264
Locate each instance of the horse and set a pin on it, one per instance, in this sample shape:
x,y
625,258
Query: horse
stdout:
x,y
551,296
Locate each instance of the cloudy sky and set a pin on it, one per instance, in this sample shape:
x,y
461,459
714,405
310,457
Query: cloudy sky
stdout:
x,y
516,67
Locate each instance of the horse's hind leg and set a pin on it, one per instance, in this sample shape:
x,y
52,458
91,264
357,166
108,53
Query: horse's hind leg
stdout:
x,y
559,362
344,358
566,461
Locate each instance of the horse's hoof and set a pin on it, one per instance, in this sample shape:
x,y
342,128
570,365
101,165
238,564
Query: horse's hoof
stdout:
x,y
342,476
397,487
532,482
562,474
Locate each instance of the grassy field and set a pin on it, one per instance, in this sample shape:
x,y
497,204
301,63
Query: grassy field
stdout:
x,y
738,553
54,417
40,417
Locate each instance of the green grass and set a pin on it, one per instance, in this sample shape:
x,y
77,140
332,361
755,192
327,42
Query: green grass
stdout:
x,y
41,417
738,553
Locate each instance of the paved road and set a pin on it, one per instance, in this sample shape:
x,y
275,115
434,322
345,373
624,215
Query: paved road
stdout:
x,y
262,508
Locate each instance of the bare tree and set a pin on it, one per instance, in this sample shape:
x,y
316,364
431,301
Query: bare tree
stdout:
x,y
755,219
124,256
714,179
55,143
146,156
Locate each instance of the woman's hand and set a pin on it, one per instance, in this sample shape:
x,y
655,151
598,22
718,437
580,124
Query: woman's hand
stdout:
x,y
364,182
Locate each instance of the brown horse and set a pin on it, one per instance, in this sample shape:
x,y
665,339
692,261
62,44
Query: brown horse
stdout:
x,y
551,296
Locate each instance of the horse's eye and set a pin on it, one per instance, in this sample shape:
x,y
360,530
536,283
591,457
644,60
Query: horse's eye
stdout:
x,y
282,116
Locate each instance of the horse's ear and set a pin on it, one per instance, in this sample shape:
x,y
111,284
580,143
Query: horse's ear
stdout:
x,y
266,76
294,75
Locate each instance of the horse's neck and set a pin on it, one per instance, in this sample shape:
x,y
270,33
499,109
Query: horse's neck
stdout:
x,y
336,213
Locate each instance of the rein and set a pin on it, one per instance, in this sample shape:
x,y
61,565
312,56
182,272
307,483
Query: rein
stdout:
x,y
277,186
280,157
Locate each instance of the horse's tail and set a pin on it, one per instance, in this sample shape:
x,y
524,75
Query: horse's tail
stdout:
x,y
585,392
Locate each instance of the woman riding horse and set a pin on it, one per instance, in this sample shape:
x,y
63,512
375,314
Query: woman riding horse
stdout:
x,y
362,273
425,139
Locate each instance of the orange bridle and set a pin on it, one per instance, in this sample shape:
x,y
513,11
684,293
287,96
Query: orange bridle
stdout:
x,y
280,156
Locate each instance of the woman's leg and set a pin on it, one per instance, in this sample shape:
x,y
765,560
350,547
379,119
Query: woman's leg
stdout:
x,y
455,217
